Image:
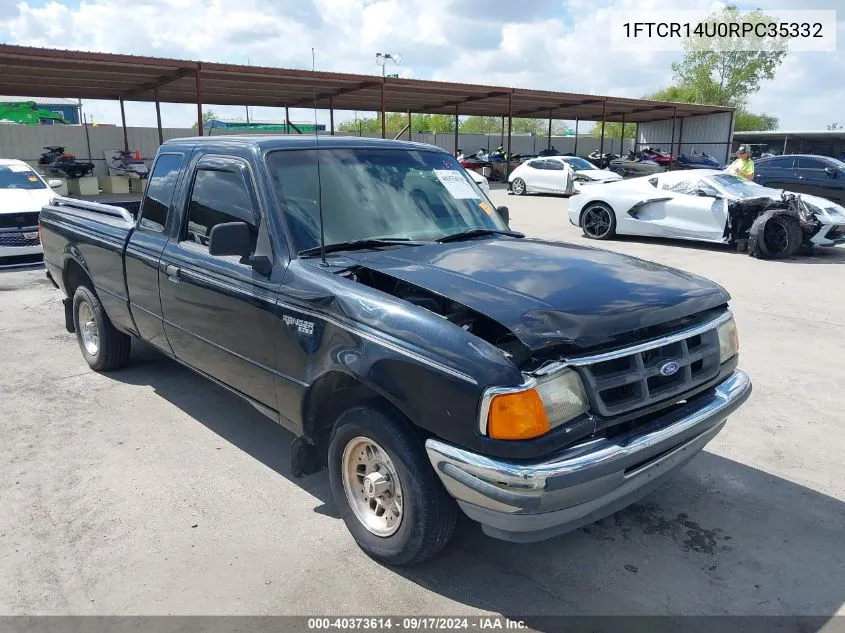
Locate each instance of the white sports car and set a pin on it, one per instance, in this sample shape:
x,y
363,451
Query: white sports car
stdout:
x,y
710,206
547,174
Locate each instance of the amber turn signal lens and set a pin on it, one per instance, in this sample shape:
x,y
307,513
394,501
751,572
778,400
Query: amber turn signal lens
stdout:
x,y
517,416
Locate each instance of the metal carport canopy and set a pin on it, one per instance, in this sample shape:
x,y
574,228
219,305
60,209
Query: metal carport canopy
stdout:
x,y
41,72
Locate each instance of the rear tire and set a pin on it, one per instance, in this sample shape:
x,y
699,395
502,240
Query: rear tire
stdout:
x,y
376,463
518,187
103,347
598,221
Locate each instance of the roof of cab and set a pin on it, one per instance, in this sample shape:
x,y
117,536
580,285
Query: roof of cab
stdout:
x,y
304,141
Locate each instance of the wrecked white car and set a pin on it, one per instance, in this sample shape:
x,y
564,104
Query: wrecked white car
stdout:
x,y
709,206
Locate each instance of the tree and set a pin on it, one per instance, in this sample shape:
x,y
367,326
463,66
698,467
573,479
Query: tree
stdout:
x,y
613,129
207,115
395,122
835,126
747,121
728,70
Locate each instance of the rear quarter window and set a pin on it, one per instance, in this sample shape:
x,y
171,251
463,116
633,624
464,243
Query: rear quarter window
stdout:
x,y
156,204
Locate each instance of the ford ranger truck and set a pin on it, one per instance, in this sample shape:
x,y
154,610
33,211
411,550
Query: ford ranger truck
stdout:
x,y
367,296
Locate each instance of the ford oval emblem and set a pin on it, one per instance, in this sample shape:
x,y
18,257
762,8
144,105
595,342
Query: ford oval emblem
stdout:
x,y
669,368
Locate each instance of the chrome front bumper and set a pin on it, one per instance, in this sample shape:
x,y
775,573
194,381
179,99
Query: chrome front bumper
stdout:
x,y
531,501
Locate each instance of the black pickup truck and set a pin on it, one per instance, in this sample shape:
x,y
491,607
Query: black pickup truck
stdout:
x,y
366,295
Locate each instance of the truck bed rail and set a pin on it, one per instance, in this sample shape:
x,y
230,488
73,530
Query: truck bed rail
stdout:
x,y
96,207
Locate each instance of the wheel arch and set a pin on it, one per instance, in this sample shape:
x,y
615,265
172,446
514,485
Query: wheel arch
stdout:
x,y
333,393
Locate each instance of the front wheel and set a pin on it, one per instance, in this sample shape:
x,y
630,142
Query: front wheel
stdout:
x,y
103,347
598,222
385,488
518,187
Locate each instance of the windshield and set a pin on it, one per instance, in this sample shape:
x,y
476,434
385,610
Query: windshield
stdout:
x,y
739,187
578,163
372,193
19,177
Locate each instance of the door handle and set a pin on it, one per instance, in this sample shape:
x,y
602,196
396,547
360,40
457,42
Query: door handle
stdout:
x,y
172,272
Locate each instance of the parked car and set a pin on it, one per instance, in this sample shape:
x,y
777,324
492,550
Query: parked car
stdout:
x,y
382,311
585,171
802,173
542,175
709,206
479,180
22,194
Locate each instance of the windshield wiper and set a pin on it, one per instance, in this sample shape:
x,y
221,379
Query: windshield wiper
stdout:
x,y
455,237
357,245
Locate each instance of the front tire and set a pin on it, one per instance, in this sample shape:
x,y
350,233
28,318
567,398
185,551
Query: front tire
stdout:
x,y
598,221
103,347
519,187
385,488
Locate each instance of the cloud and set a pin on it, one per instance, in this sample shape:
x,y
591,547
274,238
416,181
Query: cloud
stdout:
x,y
542,44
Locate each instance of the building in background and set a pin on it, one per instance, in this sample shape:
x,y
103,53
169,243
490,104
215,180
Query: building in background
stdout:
x,y
821,142
261,126
67,109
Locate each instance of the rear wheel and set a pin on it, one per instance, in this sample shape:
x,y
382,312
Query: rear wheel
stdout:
x,y
598,222
518,187
385,488
620,171
103,347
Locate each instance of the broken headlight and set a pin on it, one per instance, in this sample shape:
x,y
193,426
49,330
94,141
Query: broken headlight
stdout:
x,y
728,340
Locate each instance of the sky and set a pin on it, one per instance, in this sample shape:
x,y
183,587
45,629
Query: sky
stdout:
x,y
542,44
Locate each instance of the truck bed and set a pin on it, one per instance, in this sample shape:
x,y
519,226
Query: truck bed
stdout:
x,y
96,234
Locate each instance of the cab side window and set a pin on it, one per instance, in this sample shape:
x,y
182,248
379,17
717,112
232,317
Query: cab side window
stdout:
x,y
218,196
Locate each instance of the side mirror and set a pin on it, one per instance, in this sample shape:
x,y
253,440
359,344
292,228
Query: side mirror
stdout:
x,y
54,183
230,238
505,214
830,171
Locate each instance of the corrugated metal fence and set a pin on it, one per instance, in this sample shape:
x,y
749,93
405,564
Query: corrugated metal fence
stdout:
x,y
27,142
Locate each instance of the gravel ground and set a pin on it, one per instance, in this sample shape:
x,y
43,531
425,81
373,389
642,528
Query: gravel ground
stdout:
x,y
152,491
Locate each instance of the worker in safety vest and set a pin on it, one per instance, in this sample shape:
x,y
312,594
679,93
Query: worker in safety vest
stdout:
x,y
743,166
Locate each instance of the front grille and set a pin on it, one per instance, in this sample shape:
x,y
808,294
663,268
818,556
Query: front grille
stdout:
x,y
625,382
18,238
18,220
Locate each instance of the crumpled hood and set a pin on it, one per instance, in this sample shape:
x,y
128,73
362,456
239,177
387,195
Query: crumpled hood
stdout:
x,y
24,200
550,293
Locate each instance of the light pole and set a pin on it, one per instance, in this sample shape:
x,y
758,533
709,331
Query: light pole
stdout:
x,y
383,58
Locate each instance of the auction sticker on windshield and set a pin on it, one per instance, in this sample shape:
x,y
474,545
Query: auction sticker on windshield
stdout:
x,y
455,184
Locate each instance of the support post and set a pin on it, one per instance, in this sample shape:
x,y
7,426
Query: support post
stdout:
x,y
680,137
575,151
622,139
456,130
510,125
410,131
549,145
672,141
729,142
287,120
158,117
331,117
383,122
601,143
785,139
636,136
123,123
199,103
502,139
